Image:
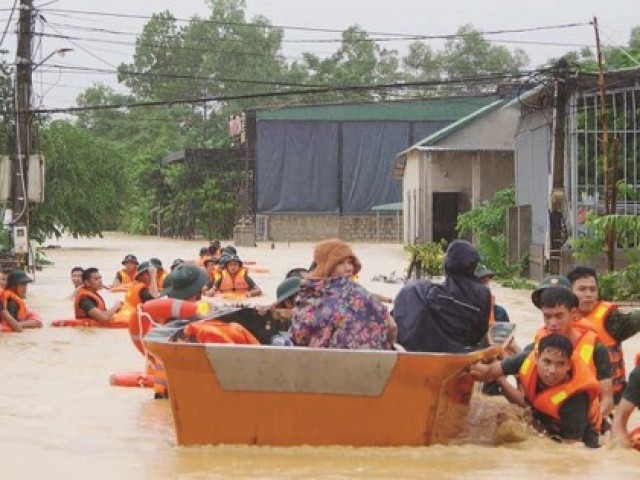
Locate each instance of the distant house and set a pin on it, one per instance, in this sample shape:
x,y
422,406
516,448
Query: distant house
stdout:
x,y
559,162
321,169
454,168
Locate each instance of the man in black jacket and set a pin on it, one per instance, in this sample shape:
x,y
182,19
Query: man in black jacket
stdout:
x,y
447,317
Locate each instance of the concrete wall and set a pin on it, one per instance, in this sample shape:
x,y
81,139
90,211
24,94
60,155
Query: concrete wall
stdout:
x,y
412,197
497,172
494,131
532,164
476,175
364,227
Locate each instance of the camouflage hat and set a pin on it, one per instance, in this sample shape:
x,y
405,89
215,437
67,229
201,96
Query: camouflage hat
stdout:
x,y
142,268
287,289
482,271
156,262
549,281
17,277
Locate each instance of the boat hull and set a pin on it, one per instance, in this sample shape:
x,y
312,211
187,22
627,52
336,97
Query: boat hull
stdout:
x,y
236,394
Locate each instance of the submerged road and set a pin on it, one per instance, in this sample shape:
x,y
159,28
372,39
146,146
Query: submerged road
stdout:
x,y
60,418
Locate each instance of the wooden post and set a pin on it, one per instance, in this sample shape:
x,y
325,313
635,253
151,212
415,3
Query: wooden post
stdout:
x,y
605,146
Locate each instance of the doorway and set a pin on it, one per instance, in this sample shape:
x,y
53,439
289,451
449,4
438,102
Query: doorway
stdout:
x,y
445,215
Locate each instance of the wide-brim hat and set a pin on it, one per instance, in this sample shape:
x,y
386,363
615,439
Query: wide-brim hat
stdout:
x,y
210,260
156,262
482,271
549,281
230,249
184,281
330,253
130,258
175,263
142,268
287,289
17,277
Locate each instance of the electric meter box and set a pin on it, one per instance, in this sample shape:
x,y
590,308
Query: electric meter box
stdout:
x,y
20,240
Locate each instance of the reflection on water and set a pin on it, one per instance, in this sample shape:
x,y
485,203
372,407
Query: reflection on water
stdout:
x,y
59,417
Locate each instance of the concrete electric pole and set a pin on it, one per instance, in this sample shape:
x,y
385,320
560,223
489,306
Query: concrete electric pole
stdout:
x,y
23,133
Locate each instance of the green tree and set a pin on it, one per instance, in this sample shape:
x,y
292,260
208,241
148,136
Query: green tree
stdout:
x,y
6,105
487,223
84,189
469,54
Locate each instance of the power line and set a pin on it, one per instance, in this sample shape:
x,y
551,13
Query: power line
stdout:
x,y
240,52
304,28
393,38
179,76
221,98
6,28
97,57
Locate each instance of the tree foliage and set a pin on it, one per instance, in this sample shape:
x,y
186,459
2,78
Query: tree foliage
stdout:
x,y
224,54
487,223
6,104
84,189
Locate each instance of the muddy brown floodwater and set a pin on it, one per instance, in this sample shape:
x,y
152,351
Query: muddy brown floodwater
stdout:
x,y
59,418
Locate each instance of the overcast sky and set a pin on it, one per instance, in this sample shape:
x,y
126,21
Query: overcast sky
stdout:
x,y
419,17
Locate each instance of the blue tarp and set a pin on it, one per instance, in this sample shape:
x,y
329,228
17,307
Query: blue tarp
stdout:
x,y
331,167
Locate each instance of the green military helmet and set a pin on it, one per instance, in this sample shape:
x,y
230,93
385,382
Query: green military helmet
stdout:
x,y
482,271
549,281
142,268
287,289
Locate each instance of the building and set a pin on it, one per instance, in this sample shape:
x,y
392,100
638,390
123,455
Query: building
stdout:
x,y
455,168
321,169
560,167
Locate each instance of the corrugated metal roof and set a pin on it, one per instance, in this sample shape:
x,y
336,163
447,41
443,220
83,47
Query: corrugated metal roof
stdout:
x,y
433,109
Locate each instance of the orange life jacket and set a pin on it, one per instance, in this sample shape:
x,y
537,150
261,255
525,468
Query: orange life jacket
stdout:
x,y
126,278
214,275
237,283
582,349
22,307
550,400
85,293
132,297
595,322
217,331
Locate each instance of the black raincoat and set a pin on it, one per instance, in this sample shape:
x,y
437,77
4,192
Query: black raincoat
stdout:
x,y
447,317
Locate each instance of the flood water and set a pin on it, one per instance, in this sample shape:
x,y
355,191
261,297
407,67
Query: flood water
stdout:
x,y
60,418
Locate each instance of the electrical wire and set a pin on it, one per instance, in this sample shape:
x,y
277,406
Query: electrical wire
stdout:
x,y
310,29
179,76
6,28
340,40
102,60
256,95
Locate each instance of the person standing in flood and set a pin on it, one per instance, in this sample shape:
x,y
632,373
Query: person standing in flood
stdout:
x,y
561,391
447,317
7,322
13,299
333,311
605,320
128,273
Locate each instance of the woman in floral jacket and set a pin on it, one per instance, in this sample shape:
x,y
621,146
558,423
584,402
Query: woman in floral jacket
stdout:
x,y
332,311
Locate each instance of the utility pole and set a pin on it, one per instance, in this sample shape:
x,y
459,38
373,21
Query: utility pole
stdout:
x,y
610,243
23,132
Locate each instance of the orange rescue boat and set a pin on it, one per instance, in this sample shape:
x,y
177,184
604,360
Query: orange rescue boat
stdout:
x,y
267,395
